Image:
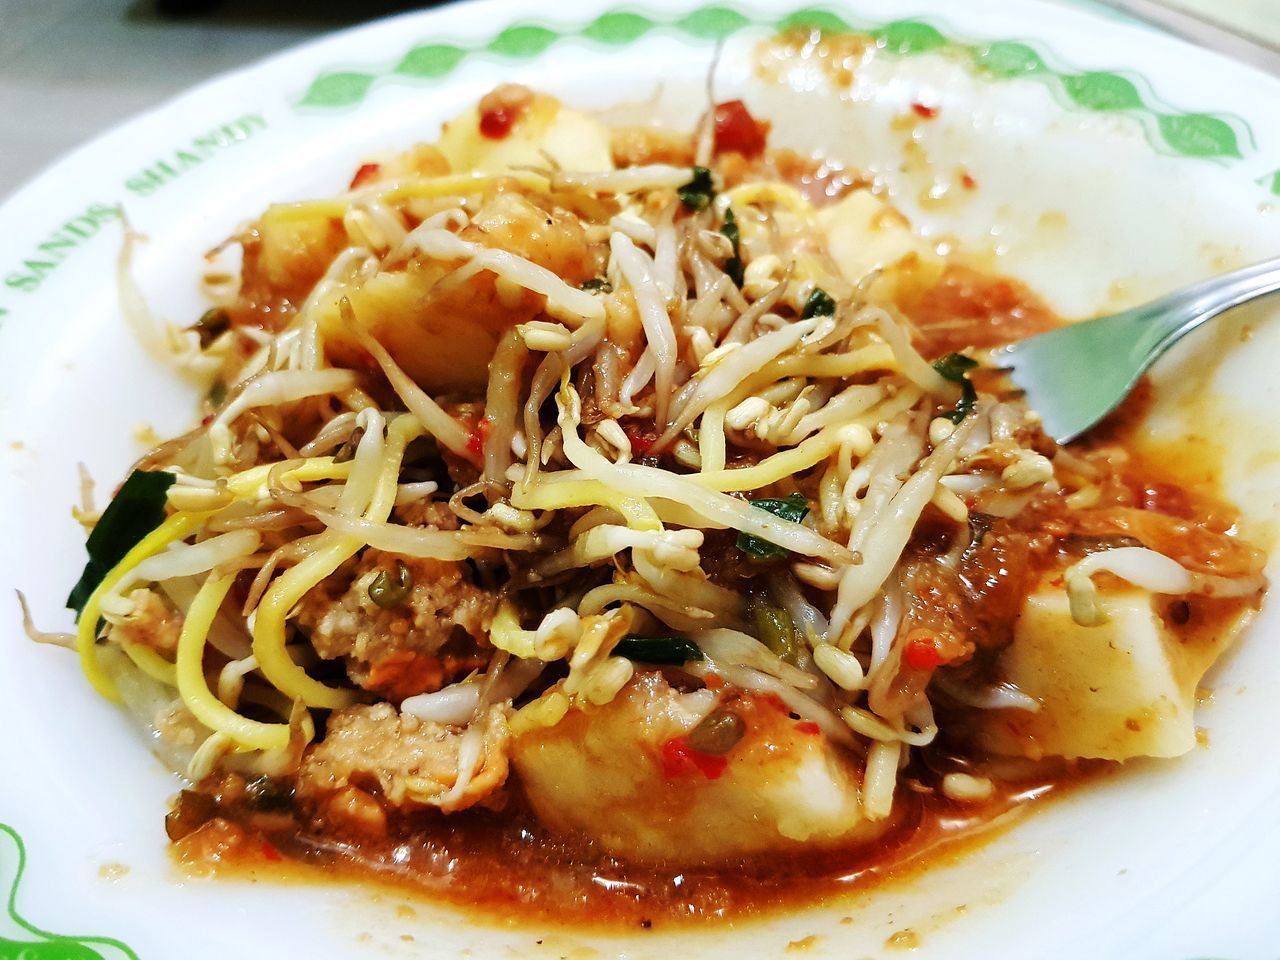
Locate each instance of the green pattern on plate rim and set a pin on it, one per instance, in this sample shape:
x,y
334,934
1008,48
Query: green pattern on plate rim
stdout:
x,y
41,944
1199,135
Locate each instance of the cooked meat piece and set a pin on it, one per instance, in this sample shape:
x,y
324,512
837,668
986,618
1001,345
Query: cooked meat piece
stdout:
x,y
153,623
437,634
410,762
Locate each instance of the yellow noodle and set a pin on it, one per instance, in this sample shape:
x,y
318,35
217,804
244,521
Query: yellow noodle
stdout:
x,y
177,527
785,463
151,663
194,689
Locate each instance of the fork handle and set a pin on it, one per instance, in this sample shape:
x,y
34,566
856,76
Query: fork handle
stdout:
x,y
1170,318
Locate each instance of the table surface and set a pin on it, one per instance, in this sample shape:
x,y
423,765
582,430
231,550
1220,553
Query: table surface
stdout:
x,y
70,69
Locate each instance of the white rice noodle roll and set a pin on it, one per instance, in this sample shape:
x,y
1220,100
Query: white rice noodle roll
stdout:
x,y
1149,570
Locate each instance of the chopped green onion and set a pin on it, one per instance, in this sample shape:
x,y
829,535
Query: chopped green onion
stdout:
x,y
955,367
212,324
775,629
733,266
667,651
699,191
794,508
718,733
217,393
136,510
597,285
387,592
819,304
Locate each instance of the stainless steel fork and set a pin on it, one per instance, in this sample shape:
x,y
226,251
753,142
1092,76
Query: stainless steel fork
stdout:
x,y
1076,375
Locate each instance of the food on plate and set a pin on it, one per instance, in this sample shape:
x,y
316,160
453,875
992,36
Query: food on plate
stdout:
x,y
627,523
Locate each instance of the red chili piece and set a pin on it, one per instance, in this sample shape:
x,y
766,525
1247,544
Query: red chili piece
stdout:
x,y
775,701
737,130
479,435
678,758
924,110
968,181
363,175
921,653
496,122
270,852
809,727
640,444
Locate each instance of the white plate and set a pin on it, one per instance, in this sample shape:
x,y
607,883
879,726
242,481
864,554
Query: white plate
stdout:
x,y
1112,163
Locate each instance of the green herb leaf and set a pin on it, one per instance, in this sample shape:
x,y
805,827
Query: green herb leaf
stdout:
x,y
699,191
733,266
666,651
819,304
955,367
794,508
597,285
138,508
212,324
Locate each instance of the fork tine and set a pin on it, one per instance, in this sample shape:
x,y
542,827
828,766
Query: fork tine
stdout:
x,y
1075,376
